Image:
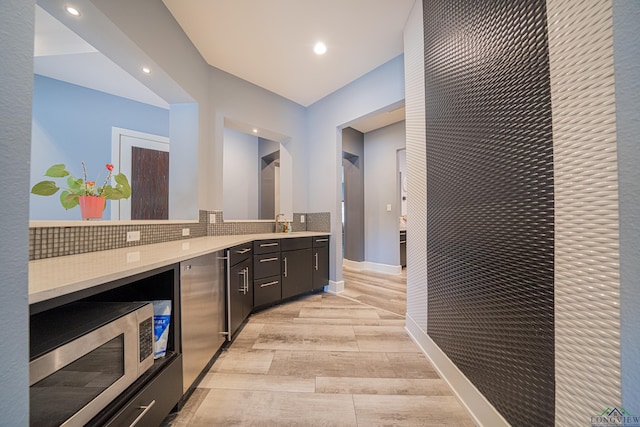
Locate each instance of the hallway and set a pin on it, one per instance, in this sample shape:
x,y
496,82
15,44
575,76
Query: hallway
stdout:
x,y
326,360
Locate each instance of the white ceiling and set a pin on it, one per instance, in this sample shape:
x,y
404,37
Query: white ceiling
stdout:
x,y
270,42
266,42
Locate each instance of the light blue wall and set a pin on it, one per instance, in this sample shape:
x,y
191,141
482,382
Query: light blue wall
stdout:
x,y
244,102
381,188
377,90
16,68
626,16
241,175
183,127
72,123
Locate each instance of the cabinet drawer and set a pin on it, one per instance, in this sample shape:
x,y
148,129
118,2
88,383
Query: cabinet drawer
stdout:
x,y
266,246
154,402
240,252
267,291
293,244
266,265
320,241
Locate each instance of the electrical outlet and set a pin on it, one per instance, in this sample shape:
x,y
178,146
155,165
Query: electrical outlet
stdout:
x,y
302,219
185,232
212,218
133,236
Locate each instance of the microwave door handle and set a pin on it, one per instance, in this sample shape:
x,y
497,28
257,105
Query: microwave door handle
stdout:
x,y
142,414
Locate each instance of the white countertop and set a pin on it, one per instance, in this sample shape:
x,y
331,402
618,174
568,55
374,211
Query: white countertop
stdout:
x,y
53,277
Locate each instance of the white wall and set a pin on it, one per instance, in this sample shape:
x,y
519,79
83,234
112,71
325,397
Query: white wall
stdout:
x,y
381,188
16,84
241,169
377,90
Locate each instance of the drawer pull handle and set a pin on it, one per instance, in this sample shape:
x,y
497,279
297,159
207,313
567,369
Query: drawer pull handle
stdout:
x,y
268,259
321,240
286,272
316,256
243,251
267,245
142,414
264,285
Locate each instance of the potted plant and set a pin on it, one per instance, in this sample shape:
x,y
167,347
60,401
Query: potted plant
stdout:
x,y
86,194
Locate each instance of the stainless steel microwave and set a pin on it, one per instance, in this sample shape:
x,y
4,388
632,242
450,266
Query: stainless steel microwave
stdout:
x,y
83,355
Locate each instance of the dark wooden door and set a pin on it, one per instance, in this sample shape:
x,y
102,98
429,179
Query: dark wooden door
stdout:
x,y
149,184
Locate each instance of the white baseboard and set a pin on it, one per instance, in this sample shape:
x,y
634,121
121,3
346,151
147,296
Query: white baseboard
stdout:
x,y
478,407
372,266
334,287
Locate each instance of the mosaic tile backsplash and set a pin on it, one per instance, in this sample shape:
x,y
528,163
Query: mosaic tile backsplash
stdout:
x,y
49,242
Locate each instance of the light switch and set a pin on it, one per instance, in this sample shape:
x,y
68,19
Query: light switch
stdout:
x,y
389,208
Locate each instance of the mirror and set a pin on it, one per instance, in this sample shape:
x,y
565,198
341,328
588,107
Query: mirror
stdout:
x,y
253,166
82,99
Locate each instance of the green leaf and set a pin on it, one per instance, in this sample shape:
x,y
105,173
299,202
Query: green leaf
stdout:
x,y
69,200
122,186
45,188
57,171
75,186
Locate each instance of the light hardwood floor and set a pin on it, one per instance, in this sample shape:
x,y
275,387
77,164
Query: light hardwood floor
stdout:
x,y
326,360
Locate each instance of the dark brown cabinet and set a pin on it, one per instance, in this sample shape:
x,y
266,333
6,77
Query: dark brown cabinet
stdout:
x,y
288,267
239,286
267,281
320,260
296,266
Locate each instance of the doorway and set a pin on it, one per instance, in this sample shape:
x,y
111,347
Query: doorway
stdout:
x,y
144,159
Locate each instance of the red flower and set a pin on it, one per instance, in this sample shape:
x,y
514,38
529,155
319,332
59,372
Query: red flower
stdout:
x,y
109,166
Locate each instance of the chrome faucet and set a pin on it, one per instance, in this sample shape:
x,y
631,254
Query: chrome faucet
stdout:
x,y
278,228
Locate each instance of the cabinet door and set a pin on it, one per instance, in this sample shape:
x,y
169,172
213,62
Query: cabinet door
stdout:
x,y
320,267
237,288
296,272
266,265
267,291
247,297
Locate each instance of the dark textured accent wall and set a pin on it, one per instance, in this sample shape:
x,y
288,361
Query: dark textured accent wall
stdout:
x,y
490,235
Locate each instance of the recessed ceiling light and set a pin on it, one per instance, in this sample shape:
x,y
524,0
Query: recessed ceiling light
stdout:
x,y
146,70
320,48
255,131
72,11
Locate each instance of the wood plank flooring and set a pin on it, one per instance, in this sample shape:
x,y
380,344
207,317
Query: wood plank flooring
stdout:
x,y
326,360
